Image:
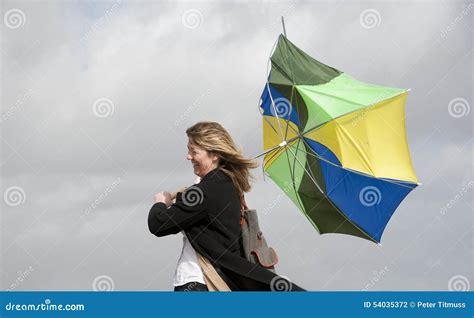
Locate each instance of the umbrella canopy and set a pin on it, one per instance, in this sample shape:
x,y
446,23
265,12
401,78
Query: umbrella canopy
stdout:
x,y
335,145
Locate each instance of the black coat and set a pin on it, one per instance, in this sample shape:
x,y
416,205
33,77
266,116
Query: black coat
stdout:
x,y
209,214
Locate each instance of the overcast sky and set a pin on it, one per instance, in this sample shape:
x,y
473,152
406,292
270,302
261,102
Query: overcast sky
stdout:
x,y
96,98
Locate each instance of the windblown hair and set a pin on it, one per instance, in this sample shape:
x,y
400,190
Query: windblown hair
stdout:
x,y
213,138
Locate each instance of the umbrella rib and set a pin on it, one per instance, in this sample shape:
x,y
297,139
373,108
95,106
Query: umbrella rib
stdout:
x,y
271,96
304,168
316,184
266,160
292,172
336,97
310,172
275,110
335,207
292,80
329,200
364,158
288,121
331,163
318,126
268,150
292,90
351,170
271,125
296,192
269,91
368,106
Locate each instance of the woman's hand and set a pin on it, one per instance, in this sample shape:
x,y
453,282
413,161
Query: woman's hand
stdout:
x,y
163,197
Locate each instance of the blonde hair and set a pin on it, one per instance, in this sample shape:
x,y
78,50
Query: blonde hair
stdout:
x,y
213,138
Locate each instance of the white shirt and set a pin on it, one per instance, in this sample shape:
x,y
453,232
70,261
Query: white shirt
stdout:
x,y
188,268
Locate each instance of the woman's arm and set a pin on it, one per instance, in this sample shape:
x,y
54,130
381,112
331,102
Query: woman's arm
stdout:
x,y
164,221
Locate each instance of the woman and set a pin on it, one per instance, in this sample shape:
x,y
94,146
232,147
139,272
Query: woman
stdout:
x,y
208,213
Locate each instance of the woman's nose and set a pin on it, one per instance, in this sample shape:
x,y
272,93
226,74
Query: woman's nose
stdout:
x,y
189,157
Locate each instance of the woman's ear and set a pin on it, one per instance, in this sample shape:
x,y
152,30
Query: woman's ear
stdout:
x,y
215,158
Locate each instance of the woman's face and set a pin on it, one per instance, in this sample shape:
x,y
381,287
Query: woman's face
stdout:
x,y
202,160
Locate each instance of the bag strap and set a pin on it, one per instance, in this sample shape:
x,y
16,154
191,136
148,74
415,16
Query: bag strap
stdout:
x,y
243,206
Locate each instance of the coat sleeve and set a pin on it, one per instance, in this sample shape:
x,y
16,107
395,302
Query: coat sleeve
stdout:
x,y
190,207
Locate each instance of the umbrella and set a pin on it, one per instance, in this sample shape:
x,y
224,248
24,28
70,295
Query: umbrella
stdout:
x,y
335,145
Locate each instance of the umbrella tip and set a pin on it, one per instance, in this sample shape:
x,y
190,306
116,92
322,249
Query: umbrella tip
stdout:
x,y
283,25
